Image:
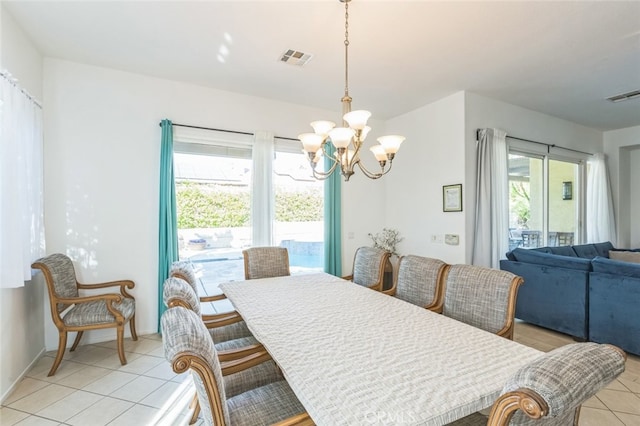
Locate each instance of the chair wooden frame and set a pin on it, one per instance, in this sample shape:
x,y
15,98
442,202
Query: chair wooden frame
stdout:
x,y
509,326
377,286
59,304
438,299
528,401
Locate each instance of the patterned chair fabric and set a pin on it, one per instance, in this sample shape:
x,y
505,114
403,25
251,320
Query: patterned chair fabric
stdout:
x,y
482,297
368,267
80,313
177,291
184,269
419,280
187,347
554,386
265,262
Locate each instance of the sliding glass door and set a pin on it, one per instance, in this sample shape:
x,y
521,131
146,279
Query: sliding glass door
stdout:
x,y
544,201
214,192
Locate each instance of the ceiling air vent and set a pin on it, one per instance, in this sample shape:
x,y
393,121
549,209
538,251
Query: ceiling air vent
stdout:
x,y
625,96
295,57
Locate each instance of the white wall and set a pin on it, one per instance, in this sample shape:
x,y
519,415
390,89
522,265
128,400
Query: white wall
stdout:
x,y
431,156
102,166
634,195
482,112
21,309
621,148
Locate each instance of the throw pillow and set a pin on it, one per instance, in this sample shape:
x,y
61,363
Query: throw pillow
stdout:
x,y
625,256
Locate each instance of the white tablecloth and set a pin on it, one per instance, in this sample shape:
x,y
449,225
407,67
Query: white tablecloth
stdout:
x,y
354,356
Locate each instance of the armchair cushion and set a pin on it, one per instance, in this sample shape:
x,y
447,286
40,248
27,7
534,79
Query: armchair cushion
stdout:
x,y
97,313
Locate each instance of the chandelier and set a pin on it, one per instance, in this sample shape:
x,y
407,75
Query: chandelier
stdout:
x,y
348,139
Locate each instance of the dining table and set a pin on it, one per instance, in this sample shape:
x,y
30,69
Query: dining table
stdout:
x,y
355,356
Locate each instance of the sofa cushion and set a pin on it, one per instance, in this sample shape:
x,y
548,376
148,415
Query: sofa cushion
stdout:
x,y
625,256
615,267
510,255
586,251
548,259
603,248
563,251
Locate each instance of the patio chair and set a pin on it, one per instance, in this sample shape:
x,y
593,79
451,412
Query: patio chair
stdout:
x,y
265,262
531,239
552,388
482,297
229,325
72,312
420,281
187,347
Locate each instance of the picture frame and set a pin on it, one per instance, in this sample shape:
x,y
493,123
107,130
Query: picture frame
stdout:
x,y
452,198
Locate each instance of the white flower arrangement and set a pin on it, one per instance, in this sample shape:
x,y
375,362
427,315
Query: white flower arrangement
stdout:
x,y
387,240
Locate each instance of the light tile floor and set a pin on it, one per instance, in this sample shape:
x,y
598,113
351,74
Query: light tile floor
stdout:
x,y
92,388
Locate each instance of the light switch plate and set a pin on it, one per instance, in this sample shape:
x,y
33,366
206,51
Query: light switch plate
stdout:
x,y
452,239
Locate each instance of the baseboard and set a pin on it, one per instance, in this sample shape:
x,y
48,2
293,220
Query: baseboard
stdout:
x,y
99,336
21,376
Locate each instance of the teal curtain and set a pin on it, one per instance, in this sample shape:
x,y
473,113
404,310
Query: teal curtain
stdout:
x,y
168,232
332,219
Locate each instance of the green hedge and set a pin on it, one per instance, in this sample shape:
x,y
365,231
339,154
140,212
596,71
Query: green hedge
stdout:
x,y
206,205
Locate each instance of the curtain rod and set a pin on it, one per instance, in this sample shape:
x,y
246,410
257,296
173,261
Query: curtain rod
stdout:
x,y
7,76
548,145
227,131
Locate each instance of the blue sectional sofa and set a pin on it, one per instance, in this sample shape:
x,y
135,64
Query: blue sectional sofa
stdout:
x,y
614,303
578,290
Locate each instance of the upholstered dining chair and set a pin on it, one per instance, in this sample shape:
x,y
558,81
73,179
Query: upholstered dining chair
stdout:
x,y
72,312
368,267
187,347
265,262
482,297
224,326
227,330
420,281
552,388
177,292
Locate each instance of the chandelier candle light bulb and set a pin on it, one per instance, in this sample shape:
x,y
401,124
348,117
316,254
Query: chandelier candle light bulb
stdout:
x,y
347,140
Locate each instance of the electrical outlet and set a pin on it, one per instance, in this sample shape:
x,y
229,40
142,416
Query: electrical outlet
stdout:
x,y
350,235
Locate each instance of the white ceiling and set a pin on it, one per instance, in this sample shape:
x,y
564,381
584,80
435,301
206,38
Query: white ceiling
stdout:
x,y
559,58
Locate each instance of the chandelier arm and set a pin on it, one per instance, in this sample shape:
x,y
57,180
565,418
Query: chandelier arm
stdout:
x,y
325,175
372,175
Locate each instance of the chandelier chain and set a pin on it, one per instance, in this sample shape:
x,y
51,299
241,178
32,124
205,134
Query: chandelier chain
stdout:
x,y
346,49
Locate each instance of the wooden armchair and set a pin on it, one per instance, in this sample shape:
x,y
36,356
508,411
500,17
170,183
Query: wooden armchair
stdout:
x,y
552,388
187,347
265,262
482,297
72,312
368,267
420,281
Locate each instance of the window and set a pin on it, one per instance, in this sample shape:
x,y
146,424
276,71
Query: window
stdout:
x,y
545,206
214,192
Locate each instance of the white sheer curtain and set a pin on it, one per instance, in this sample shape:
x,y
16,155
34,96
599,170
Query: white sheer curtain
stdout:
x,y
491,236
21,183
601,225
262,196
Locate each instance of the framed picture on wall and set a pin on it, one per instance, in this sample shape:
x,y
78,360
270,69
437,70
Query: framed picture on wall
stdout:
x,y
452,198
